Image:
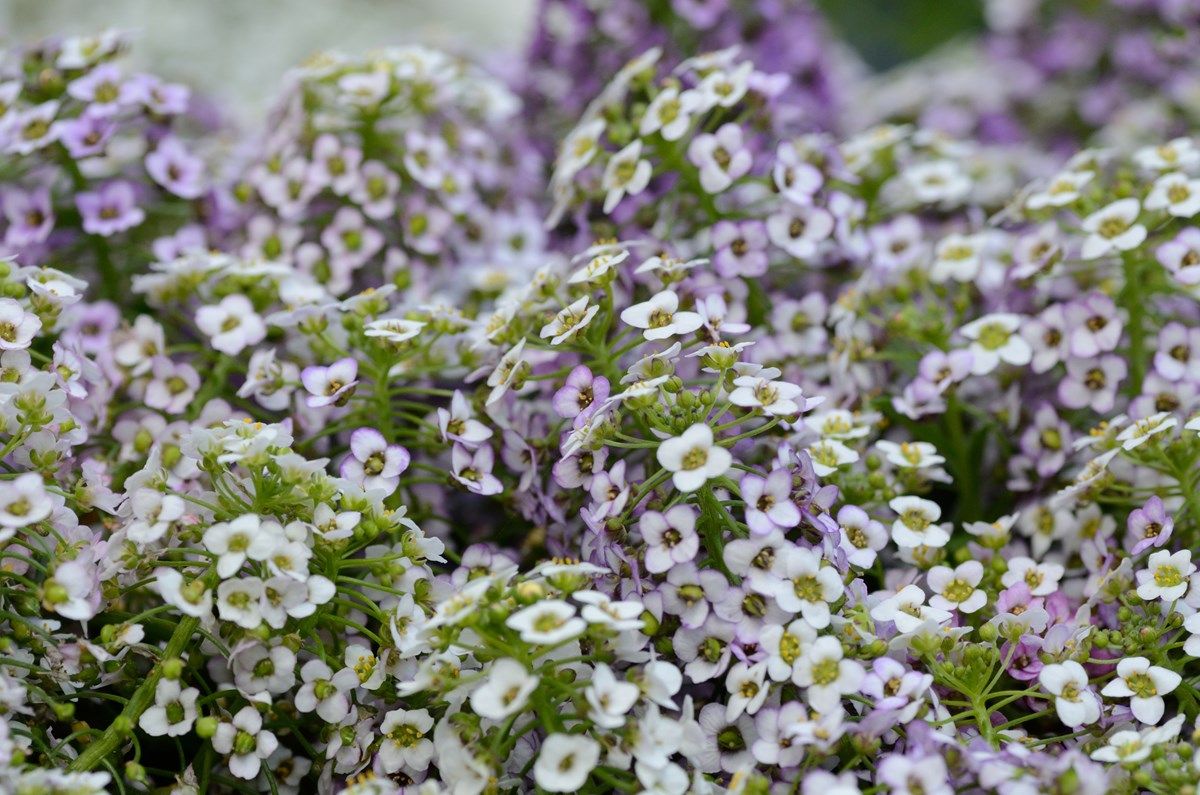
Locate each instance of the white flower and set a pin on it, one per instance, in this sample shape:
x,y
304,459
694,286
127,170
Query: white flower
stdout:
x,y
723,86
245,537
826,674
367,668
937,182
546,623
1144,685
1192,625
1166,575
1062,190
1132,746
694,458
1179,154
626,173
569,320
956,589
670,113
17,327
393,329
324,692
1176,193
916,525
565,761
660,317
721,157
1076,703
191,598
238,601
24,501
957,257
173,711
784,645
232,325
1113,228
621,615
153,514
803,585
578,149
747,689
838,424
994,339
907,610
458,423
1138,433
246,740
776,398
910,455
1042,578
505,691
609,699
511,366
404,741
828,455
603,262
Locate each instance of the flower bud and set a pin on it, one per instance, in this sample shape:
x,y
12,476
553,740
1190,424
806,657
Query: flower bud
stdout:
x,y
172,668
206,727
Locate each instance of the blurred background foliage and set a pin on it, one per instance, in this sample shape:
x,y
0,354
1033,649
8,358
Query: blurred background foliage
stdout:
x,y
889,32
238,49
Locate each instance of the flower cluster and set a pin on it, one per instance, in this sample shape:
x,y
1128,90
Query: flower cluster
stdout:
x,y
1122,70
405,161
101,172
579,45
739,461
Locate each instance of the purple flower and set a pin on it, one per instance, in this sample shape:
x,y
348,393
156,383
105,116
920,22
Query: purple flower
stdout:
x,y
474,470
1047,441
332,385
581,395
1181,256
176,169
164,99
741,248
670,537
768,502
1092,383
87,134
111,209
1093,324
896,688
1178,355
30,216
373,463
103,88
1148,527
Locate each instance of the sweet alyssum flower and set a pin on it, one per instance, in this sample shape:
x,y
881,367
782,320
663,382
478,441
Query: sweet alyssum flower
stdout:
x,y
693,458
1144,685
1074,701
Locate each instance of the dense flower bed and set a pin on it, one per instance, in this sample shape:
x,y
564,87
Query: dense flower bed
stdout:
x,y
720,452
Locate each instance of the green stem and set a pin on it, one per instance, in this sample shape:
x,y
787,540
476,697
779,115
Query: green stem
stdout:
x,y
99,750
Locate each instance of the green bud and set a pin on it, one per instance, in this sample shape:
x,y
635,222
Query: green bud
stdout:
x,y
650,624
64,712
206,727
988,633
172,668
122,725
136,773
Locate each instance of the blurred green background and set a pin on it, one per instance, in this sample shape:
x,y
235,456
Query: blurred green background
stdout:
x,y
889,32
